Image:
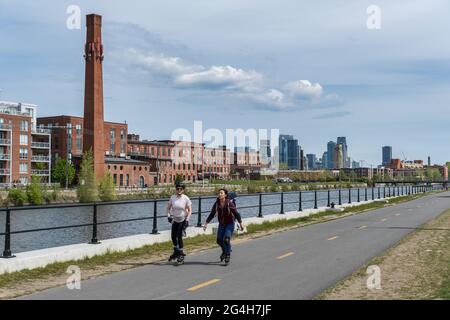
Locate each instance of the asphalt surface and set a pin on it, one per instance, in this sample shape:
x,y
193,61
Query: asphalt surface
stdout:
x,y
295,264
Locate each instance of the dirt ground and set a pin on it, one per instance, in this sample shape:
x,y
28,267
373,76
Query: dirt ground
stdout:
x,y
413,269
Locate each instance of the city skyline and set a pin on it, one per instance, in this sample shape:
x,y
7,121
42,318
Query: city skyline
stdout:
x,y
174,73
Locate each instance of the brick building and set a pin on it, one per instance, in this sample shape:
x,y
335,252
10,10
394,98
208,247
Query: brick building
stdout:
x,y
69,130
24,150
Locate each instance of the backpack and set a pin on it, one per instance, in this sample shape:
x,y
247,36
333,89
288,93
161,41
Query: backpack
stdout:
x,y
232,196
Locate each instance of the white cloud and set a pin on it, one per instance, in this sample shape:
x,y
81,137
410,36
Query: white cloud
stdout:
x,y
247,86
160,64
221,77
302,89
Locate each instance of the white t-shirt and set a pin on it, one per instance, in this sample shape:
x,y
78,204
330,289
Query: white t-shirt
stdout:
x,y
179,205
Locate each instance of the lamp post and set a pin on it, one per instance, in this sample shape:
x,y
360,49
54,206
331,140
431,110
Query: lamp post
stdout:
x,y
69,155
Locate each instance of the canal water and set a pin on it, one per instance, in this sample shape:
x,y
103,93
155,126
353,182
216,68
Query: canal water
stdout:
x,y
56,217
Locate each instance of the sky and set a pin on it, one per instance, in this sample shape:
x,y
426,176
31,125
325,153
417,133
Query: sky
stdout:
x,y
312,69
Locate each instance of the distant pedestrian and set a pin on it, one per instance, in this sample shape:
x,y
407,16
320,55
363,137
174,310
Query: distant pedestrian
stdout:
x,y
226,213
179,210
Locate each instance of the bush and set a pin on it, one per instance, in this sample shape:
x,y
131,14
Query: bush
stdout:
x,y
87,189
34,191
253,189
17,197
106,188
274,189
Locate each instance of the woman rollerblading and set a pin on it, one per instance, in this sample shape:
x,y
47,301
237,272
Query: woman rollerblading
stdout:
x,y
226,213
179,211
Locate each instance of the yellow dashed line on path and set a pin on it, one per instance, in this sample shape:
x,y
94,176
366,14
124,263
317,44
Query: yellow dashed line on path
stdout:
x,y
203,284
285,255
384,219
333,238
362,227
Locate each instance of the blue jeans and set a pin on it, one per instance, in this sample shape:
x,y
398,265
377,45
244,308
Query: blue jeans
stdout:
x,y
224,237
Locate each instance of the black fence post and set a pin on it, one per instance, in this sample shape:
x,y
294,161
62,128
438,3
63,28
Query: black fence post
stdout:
x,y
94,239
282,203
260,215
384,192
315,199
300,201
349,195
358,196
155,217
393,190
365,194
328,198
199,217
7,252
379,194
340,196
373,193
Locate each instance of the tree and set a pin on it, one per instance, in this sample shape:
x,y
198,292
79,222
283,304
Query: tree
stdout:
x,y
59,172
87,188
106,188
34,191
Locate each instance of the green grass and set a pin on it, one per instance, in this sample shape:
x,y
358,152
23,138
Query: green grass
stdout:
x,y
165,248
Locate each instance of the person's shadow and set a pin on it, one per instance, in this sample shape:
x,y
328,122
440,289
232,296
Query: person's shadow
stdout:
x,y
174,263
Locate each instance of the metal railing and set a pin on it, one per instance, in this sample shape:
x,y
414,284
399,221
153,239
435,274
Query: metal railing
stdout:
x,y
40,158
5,141
40,172
6,126
44,145
344,195
41,131
4,156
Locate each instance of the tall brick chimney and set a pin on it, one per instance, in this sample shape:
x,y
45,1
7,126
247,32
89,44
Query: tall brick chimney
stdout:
x,y
93,94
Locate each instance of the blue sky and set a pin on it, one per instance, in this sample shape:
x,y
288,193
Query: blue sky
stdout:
x,y
308,68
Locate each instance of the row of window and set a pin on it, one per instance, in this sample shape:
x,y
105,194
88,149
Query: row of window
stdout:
x,y
121,168
77,127
112,136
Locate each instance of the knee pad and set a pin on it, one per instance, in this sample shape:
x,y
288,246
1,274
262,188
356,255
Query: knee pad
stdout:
x,y
226,240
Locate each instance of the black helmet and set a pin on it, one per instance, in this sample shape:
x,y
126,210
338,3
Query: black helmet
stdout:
x,y
180,185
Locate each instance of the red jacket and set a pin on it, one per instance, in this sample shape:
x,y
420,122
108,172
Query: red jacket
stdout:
x,y
226,215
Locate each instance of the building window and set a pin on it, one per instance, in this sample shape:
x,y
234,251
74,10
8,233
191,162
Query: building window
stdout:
x,y
115,167
78,130
23,153
23,168
121,180
24,139
78,141
122,141
141,182
112,136
24,125
127,181
121,168
115,179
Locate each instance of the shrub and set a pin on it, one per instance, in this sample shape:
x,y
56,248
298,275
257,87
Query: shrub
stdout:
x,y
17,197
87,189
34,191
106,188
